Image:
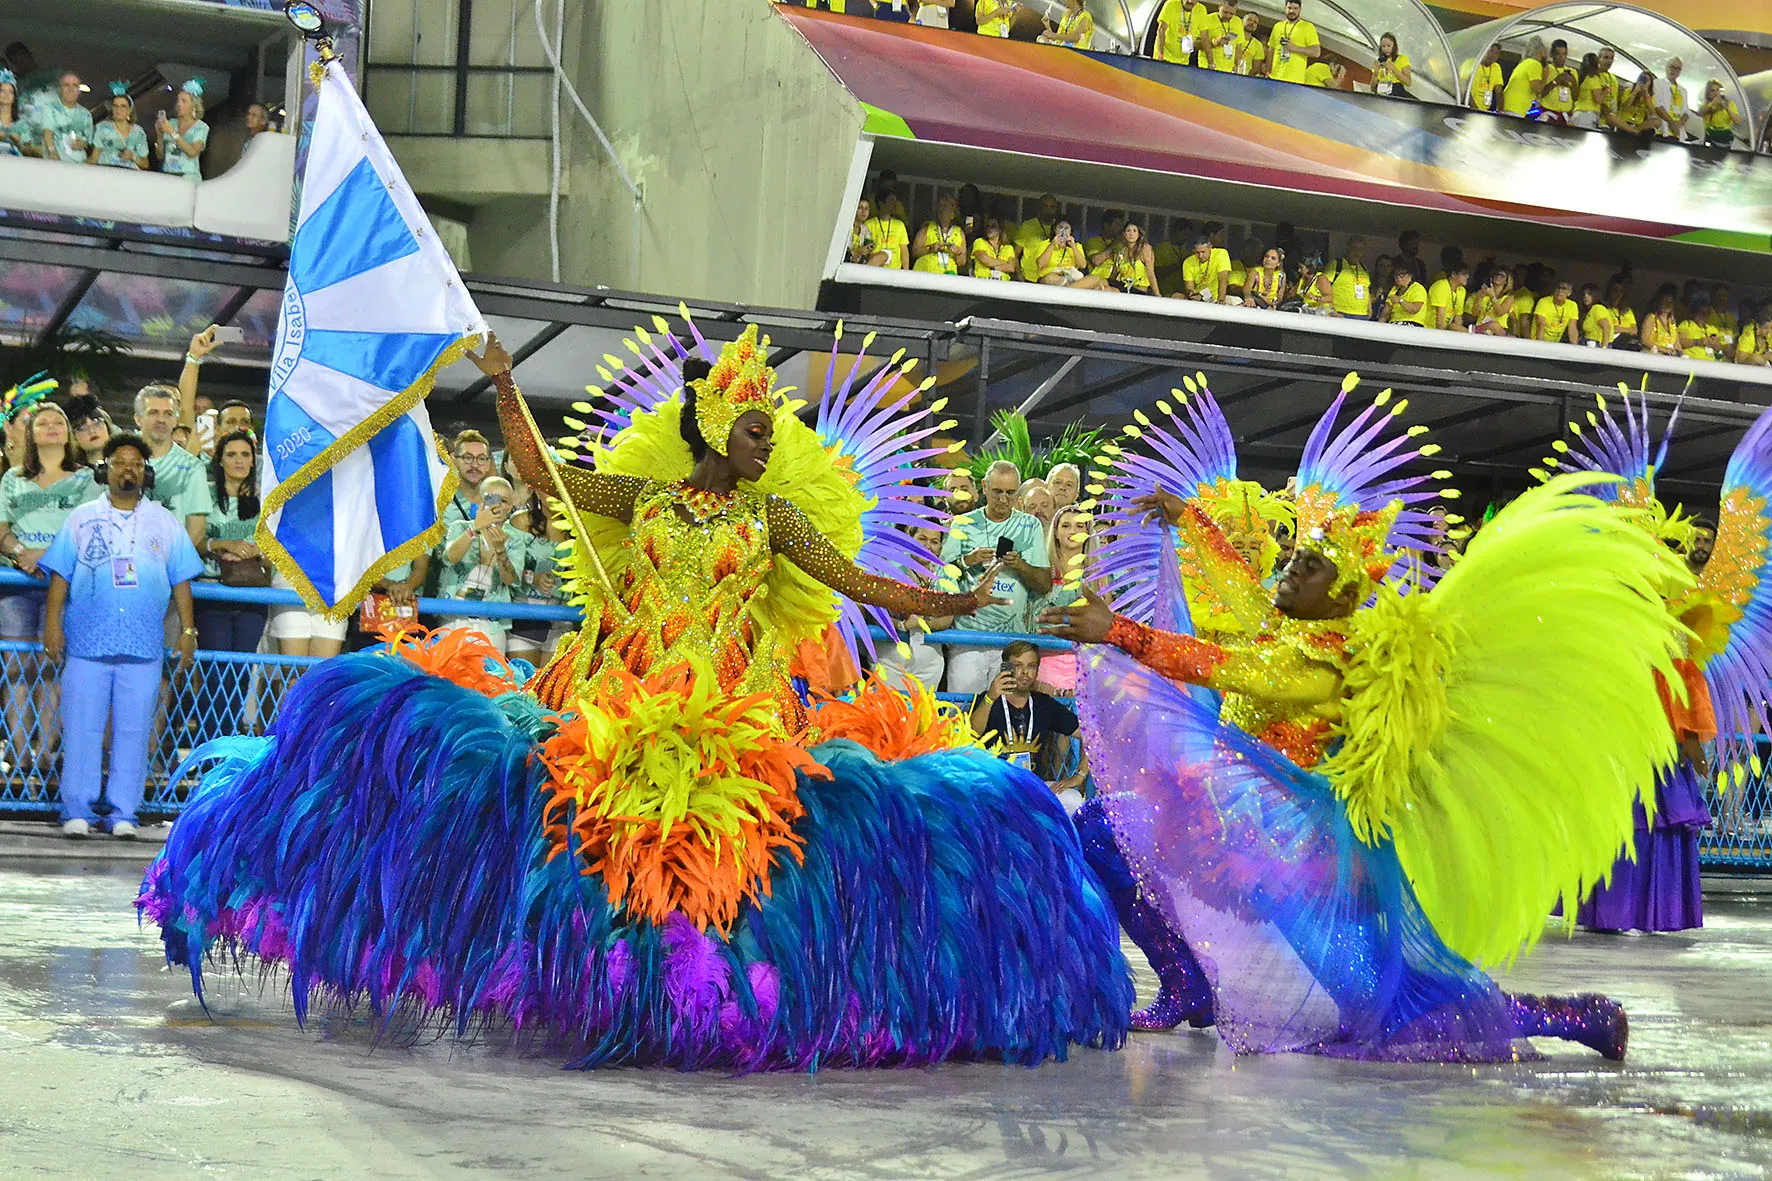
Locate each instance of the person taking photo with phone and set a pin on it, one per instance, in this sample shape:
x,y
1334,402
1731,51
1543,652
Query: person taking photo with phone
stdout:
x,y
1007,548
1032,730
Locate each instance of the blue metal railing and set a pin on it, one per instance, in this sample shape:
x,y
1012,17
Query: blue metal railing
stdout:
x,y
228,693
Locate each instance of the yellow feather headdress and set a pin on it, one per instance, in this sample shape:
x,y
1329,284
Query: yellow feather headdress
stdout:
x,y
741,381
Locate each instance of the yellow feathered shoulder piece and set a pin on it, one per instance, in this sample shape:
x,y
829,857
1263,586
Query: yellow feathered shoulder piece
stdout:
x,y
1500,727
793,606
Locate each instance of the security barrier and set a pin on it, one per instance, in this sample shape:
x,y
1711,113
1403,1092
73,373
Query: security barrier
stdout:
x,y
231,693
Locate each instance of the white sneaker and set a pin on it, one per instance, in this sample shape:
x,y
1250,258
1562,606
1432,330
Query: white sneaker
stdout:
x,y
123,830
76,829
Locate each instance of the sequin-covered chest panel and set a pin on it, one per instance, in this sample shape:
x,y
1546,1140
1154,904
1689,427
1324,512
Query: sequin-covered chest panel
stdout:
x,y
688,588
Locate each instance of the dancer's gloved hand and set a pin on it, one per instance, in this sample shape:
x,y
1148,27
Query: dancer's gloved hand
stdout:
x,y
1081,623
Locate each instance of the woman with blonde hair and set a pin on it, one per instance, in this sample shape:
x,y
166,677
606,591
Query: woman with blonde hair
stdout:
x,y
1068,542
179,142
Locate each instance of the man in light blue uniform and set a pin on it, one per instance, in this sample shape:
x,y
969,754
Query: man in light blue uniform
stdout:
x,y
1021,573
114,566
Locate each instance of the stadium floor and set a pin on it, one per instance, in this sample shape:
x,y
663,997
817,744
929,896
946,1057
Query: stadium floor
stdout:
x,y
108,1067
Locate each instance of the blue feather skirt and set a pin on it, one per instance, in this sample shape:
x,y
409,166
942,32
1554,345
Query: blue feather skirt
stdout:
x,y
384,847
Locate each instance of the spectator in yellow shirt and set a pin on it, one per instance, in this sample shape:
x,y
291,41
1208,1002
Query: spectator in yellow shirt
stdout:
x,y
1124,268
1561,81
1034,233
890,239
1596,95
1350,284
993,255
1406,301
1206,274
1076,28
1221,37
1557,316
1660,333
1624,317
864,247
1445,299
1265,285
1252,60
1292,46
1721,320
1113,228
1636,108
1175,30
1526,83
1060,262
1597,325
1754,346
1720,115
994,17
1486,83
1391,74
1313,287
941,244
1491,310
1328,75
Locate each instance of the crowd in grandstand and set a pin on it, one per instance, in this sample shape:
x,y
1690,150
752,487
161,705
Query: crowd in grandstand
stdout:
x,y
49,115
1545,85
1530,301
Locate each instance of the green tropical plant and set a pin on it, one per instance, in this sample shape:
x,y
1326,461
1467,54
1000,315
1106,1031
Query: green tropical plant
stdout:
x,y
1034,461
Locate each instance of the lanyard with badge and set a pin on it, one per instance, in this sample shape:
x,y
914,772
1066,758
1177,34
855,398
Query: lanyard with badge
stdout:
x,y
1023,758
123,572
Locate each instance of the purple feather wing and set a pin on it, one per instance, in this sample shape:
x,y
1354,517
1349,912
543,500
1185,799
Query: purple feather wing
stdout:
x,y
1738,573
1364,464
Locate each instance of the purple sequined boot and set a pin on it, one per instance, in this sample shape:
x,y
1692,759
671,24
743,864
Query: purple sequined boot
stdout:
x,y
1182,993
1597,1022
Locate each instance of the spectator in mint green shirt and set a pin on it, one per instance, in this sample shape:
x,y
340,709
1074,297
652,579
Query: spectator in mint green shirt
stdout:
x,y
63,126
120,142
1010,547
35,499
180,141
480,559
181,483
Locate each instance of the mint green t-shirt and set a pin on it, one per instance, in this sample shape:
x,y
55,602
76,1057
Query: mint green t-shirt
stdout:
x,y
36,514
475,578
181,484
974,530
225,523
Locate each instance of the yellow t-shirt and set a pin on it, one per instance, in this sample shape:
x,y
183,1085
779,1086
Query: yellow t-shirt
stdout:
x,y
1179,23
1599,325
1289,64
1312,297
1203,276
993,17
1598,93
1254,53
1482,308
1556,319
1122,272
1635,111
1624,320
1389,74
889,235
1560,98
1441,295
941,261
1658,333
1350,289
1003,252
1069,256
1523,325
1239,276
1267,284
1415,293
1517,98
1222,58
1318,73
1699,351
1724,119
1077,28
1750,343
1485,82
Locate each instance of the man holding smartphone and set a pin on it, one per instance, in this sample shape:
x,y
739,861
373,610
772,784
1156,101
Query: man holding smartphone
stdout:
x,y
1009,548
1033,730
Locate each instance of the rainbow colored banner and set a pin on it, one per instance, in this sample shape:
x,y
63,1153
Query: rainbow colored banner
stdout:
x,y
1137,113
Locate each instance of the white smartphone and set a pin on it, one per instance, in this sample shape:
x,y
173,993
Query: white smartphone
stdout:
x,y
228,334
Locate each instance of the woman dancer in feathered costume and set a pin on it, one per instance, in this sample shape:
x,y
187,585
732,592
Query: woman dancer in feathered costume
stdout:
x,y
1329,822
1722,675
654,855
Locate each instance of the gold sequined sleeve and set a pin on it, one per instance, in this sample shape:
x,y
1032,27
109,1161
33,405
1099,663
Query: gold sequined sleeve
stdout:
x,y
592,492
792,536
1271,672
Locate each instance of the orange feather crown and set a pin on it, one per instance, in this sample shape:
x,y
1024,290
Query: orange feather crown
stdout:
x,y
741,381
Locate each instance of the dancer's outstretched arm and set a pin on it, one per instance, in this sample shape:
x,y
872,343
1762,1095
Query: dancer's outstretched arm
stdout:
x,y
792,536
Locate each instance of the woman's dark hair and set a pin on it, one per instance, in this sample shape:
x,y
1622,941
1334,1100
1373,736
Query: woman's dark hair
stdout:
x,y
73,459
694,369
1590,65
218,479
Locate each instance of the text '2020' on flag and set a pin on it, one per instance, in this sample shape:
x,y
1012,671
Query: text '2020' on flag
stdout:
x,y
352,484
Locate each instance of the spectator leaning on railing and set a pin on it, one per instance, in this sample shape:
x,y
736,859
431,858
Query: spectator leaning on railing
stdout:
x,y
36,499
993,255
1008,546
940,246
1221,37
116,565
1035,731
994,17
1075,28
1561,83
63,126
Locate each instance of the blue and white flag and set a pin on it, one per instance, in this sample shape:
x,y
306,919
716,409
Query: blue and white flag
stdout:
x,y
352,484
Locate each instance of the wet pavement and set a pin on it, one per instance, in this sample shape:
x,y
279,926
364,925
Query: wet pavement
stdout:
x,y
107,1066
